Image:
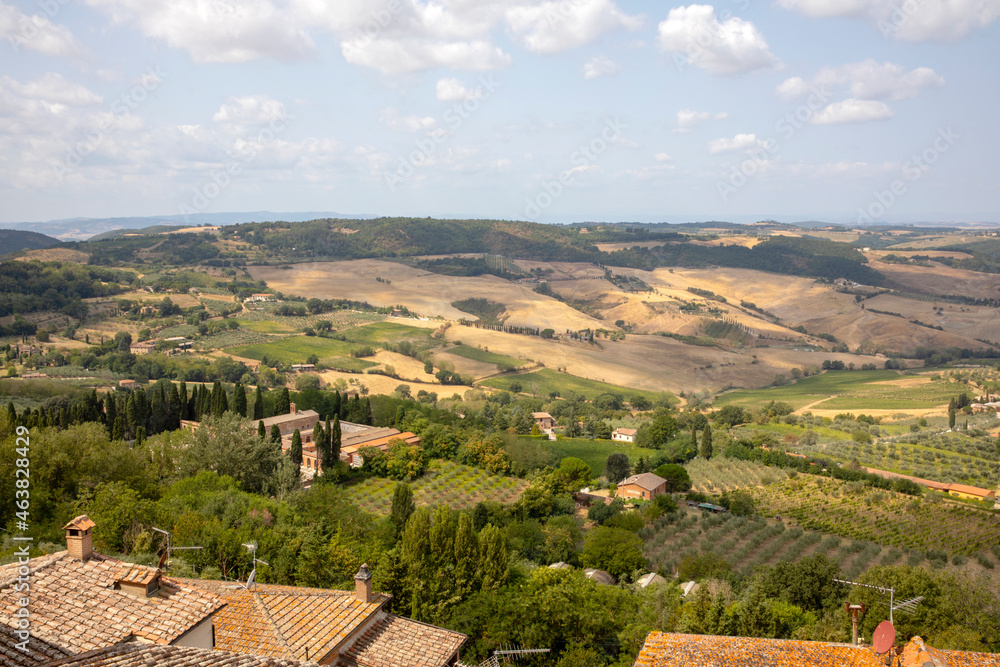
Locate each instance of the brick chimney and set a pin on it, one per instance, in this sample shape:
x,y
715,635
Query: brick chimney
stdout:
x,y
292,409
79,541
363,585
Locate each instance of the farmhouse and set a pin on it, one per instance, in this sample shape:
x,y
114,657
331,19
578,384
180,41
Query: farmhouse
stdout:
x,y
260,297
127,384
303,368
543,420
970,492
663,649
624,435
355,437
90,609
144,347
645,486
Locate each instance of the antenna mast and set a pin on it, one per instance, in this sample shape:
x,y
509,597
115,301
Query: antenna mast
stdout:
x,y
165,563
907,606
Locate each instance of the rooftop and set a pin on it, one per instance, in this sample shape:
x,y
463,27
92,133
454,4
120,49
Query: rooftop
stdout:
x,y
675,650
646,480
75,607
133,654
285,621
395,641
38,651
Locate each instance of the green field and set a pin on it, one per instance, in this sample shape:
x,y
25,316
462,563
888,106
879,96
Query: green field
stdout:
x,y
263,319
720,474
594,452
851,390
549,381
486,357
295,349
455,485
385,332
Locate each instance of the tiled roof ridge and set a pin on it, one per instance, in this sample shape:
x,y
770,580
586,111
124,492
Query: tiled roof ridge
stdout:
x,y
47,561
274,626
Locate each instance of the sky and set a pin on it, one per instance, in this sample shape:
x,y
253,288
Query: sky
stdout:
x,y
850,111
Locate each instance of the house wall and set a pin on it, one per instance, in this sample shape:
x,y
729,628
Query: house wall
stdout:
x,y
200,636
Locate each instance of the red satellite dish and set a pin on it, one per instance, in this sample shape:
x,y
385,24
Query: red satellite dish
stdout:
x,y
884,638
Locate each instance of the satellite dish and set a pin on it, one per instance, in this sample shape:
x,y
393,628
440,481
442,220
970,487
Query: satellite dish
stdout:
x,y
163,559
884,638
251,578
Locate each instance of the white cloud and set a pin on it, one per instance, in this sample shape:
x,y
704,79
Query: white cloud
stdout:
x,y
558,25
912,21
52,87
738,144
662,157
401,56
866,80
216,31
250,110
410,123
729,47
852,111
598,67
453,90
37,33
687,119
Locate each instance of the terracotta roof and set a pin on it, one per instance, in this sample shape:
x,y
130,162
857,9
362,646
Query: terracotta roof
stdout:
x,y
626,431
394,641
285,621
918,654
81,522
673,650
383,442
646,480
38,651
292,416
970,490
75,607
541,415
134,654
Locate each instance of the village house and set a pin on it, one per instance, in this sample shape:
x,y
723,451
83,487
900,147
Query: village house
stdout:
x,y
260,297
356,437
91,609
624,435
645,486
303,368
127,384
142,348
543,420
663,649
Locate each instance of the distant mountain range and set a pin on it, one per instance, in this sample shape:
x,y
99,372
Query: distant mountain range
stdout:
x,y
80,229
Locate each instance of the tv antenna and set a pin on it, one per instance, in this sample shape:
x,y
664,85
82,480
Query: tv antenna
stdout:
x,y
252,579
165,558
507,653
905,607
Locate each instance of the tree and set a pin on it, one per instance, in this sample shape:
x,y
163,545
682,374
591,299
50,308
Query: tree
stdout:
x,y
296,449
740,502
617,467
258,404
951,418
334,436
261,431
466,557
573,474
657,432
239,400
730,416
494,563
283,404
547,333
275,435
677,477
319,442
614,550
402,508
706,442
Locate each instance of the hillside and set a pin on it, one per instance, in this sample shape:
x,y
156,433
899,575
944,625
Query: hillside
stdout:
x,y
12,240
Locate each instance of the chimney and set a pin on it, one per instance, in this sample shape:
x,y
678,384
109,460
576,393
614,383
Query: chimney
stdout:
x,y
79,541
292,409
363,585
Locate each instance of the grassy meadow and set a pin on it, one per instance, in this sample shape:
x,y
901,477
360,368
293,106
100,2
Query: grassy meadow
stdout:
x,y
549,381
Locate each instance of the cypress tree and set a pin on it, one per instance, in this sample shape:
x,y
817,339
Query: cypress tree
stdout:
x,y
182,393
261,431
258,404
494,560
951,418
176,408
283,405
319,442
111,413
369,414
296,450
239,400
118,429
466,557
335,439
335,403
706,442
275,433
402,508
